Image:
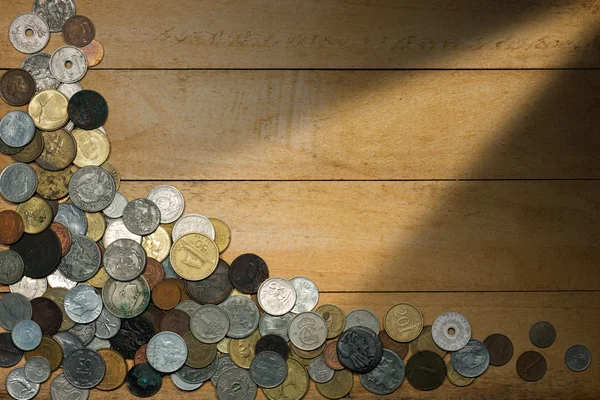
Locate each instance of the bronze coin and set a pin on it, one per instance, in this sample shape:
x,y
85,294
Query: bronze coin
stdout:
x,y
32,150
401,349
180,283
88,109
59,151
116,370
247,272
200,354
47,315
11,227
425,370
50,350
500,348
17,87
140,355
54,207
154,315
154,272
213,290
64,236
94,52
79,31
166,295
308,354
542,334
177,321
330,356
531,366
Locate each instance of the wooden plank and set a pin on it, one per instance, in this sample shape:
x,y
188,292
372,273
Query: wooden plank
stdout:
x,y
410,236
351,124
575,315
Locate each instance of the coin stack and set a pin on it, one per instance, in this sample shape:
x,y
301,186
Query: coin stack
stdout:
x,y
96,279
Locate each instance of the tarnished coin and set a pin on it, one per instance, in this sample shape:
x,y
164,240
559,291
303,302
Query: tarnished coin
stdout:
x,y
68,64
19,387
194,256
47,314
141,216
243,316
17,87
338,386
29,23
295,385
276,325
116,207
116,370
124,260
364,318
143,380
113,172
403,322
48,109
88,109
387,376
40,253
54,185
451,331
359,349
29,287
11,267
96,226
193,223
14,307
37,369
153,272
50,350
210,323
83,304
140,355
500,348
26,335
169,201
472,360
134,333
9,353
177,321
93,147
36,214
307,294
247,272
85,332
268,369
400,348
222,234
82,261
117,230
276,296
126,299
59,150
158,244
18,182
166,295
61,389
200,354
425,370
334,317
67,342
273,343
73,218
542,334
166,352
213,290
236,384
531,366
57,295
107,325
84,368
578,358
94,52
92,189
199,375
32,151
12,227
319,371
308,331
78,31
55,13
455,378
38,66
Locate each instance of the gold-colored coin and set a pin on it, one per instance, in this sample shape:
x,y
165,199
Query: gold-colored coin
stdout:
x,y
241,351
236,292
93,147
222,234
200,354
96,225
57,295
32,150
50,350
169,228
223,345
116,369
99,279
338,386
295,385
157,244
455,378
36,214
59,150
335,319
403,322
49,110
303,361
194,256
425,342
113,172
54,185
308,354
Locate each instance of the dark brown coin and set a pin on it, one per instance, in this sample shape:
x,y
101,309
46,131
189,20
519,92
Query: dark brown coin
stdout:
x,y
134,333
166,295
247,272
500,348
32,150
401,349
359,349
531,366
330,356
9,353
40,253
181,285
53,206
425,370
79,31
9,150
153,272
140,355
17,87
177,321
47,314
50,350
542,334
200,354
154,315
64,236
88,109
272,343
213,290
143,380
11,227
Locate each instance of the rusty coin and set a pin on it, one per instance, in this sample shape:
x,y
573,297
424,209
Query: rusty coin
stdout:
x,y
153,272
47,315
177,321
116,370
330,356
64,236
247,272
88,109
94,52
79,31
531,366
11,227
140,355
166,295
400,348
500,348
17,87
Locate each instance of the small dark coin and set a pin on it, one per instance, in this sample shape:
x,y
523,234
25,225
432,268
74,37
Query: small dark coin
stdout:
x,y
542,334
273,343
359,349
578,358
177,321
213,290
88,109
79,31
425,370
17,87
401,349
134,333
9,353
154,315
84,368
500,348
47,315
11,267
143,380
531,366
247,272
9,150
40,253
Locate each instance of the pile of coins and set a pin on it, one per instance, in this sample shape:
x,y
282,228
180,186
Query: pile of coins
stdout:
x,y
96,279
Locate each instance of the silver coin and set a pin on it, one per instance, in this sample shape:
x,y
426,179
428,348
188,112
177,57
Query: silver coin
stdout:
x,y
37,369
124,259
11,267
209,324
84,368
126,299
387,376
58,280
168,268
166,352
38,66
83,304
193,223
54,12
26,335
183,385
97,344
82,261
65,56
69,127
92,189
14,307
29,23
236,384
268,369
68,89
472,360
17,128
578,358
116,207
319,371
243,316
198,375
19,387
107,325
276,296
117,230
85,332
224,364
18,182
68,342
364,318
275,325
29,287
61,389
451,331
307,294
72,217
170,202
189,307
308,331
141,216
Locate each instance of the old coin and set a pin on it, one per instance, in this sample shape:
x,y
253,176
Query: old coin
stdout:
x,y
32,150
276,296
213,290
113,172
319,371
194,256
166,352
107,325
158,244
124,260
143,380
209,323
11,227
153,272
57,295
19,387
32,24
96,226
8,150
83,304
425,342
67,342
84,368
200,354
425,370
26,335
73,218
500,348
37,369
116,207
141,216
268,369
177,321
308,354
40,253
88,109
272,343
330,356
85,332
295,385
224,364
199,375
17,87
307,294
154,315
59,150
166,295
50,350
47,315
11,267
17,129
451,331
542,334
243,316
36,214
116,370
78,31
48,109
82,261
242,351
94,52
364,318
222,234
455,378
170,202
193,223
9,353
61,389
338,386
578,358
472,360
54,12
400,348
54,185
334,317
134,333
247,272
97,344
183,385
117,230
236,383
69,65
126,299
531,366
170,272
140,355
18,182
359,349
275,325
92,189
387,377
38,66
29,287
93,147
403,322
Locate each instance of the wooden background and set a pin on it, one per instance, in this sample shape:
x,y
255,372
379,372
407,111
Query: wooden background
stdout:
x,y
442,153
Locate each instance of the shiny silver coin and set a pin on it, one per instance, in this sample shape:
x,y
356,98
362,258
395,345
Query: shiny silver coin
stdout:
x,y
166,352
38,66
387,376
209,324
84,368
29,23
14,307
243,316
307,294
18,182
198,375
54,12
61,389
69,89
107,325
83,304
472,360
116,230
364,318
275,325
85,332
236,384
170,202
141,216
308,338
193,223
26,335
451,331
37,369
92,189
224,363
578,358
126,299
189,307
82,261
29,287
268,369
116,207
276,296
97,344
58,280
19,387
68,64
11,267
319,371
67,342
183,385
17,128
124,259
73,218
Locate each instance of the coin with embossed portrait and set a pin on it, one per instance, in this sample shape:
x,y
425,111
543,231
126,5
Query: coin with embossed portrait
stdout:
x,y
17,87
126,299
54,12
166,352
18,182
243,316
124,259
83,304
92,189
169,201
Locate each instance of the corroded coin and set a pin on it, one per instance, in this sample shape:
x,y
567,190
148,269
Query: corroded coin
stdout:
x,y
50,350
18,182
364,318
83,304
166,295
273,343
268,369
126,299
11,227
59,150
338,386
213,290
276,296
134,333
9,353
542,334
141,216
17,87
425,370
40,253
177,321
11,267
31,151
295,385
472,360
209,324
455,378
48,109
47,315
94,52
222,234
359,349
403,322
170,202
500,348
247,272
275,325
451,331
88,109
78,31
36,40
124,260
153,272
38,66
330,356
166,352
116,370
194,256
92,189
55,13
54,185
578,358
157,244
93,147
387,377
69,65
143,380
36,214
243,316
531,366
399,348
334,317
82,261
200,355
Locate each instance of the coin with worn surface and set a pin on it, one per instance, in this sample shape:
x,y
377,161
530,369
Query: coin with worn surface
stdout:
x,y
500,348
113,172
194,256
166,352
224,363
166,295
338,386
36,214
116,207
50,350
158,244
319,371
57,295
88,109
94,52
40,253
134,333
17,129
170,202
83,304
425,370
124,260
542,334
11,267
61,389
248,272
455,378
143,380
334,317
48,109
276,325
93,147
200,354
55,13
29,287
213,290
69,65
141,216
199,375
107,325
38,66
236,384
268,369
126,299
37,369
67,342
531,366
183,385
47,314
117,230
140,355
222,234
11,227
578,358
177,321
330,356
359,349
17,87
272,343
92,189
84,368
193,223
18,182
82,261
96,226
26,335
78,31
59,150
210,323
387,376
85,332
116,369
307,294
364,318
73,218
153,272
472,360
243,316
54,185
276,296
403,322
32,150
29,23
451,331
295,385
9,353
19,387
400,348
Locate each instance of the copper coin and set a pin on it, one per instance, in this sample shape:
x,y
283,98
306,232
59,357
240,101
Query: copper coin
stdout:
x,y
116,370
330,356
50,350
200,354
154,272
47,315
500,348
94,52
166,295
11,227
79,31
401,349
542,334
64,235
154,315
177,321
140,355
181,285
17,87
531,366
247,272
